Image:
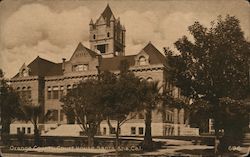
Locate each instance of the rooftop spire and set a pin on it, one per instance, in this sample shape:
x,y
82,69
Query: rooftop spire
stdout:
x,y
107,13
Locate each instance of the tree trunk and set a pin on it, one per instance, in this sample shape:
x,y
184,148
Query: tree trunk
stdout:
x,y
117,138
147,142
216,126
90,140
36,135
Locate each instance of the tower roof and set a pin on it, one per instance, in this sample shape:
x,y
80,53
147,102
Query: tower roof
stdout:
x,y
107,13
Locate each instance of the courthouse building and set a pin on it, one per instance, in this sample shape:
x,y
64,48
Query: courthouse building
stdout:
x,y
45,82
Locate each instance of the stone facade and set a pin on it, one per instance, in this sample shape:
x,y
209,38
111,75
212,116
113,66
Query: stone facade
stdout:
x,y
45,82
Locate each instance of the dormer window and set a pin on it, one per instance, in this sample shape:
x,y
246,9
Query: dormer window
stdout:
x,y
142,60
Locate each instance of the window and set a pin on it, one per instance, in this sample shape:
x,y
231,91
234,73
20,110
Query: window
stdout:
x,y
108,34
61,91
49,93
61,115
25,72
85,67
81,67
18,130
94,36
74,86
149,79
28,130
133,130
112,131
68,88
141,130
28,93
55,92
104,131
142,61
102,48
23,130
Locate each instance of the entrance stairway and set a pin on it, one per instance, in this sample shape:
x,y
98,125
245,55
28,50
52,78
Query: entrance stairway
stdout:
x,y
245,147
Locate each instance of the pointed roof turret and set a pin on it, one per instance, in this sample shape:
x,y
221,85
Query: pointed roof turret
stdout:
x,y
112,18
107,13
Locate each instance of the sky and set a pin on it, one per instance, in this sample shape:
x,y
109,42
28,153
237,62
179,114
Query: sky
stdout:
x,y
52,29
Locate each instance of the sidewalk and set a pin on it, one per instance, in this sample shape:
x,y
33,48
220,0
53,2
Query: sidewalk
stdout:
x,y
170,147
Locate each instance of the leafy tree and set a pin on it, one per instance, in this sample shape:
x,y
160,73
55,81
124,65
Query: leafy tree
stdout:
x,y
120,98
31,113
213,67
84,103
149,97
9,104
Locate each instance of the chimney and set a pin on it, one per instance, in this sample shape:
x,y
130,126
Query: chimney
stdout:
x,y
63,64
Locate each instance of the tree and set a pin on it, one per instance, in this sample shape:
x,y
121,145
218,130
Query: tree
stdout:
x,y
149,96
84,103
213,67
31,113
9,104
120,98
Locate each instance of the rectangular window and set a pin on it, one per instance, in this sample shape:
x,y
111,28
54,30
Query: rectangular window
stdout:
x,y
81,67
133,130
85,67
49,93
29,130
18,130
104,131
61,91
61,115
23,130
55,92
102,48
112,130
168,117
141,131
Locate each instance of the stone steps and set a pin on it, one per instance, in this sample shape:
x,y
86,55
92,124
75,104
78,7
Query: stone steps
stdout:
x,y
246,140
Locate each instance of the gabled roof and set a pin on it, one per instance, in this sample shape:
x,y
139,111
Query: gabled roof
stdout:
x,y
107,13
156,57
112,64
43,67
80,47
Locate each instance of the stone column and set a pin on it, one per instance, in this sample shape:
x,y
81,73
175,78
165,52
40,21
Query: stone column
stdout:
x,y
181,116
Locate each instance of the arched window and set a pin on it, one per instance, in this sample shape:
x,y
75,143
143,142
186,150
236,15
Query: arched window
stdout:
x,y
25,72
141,79
108,34
142,61
94,36
149,79
68,88
28,92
